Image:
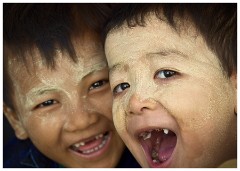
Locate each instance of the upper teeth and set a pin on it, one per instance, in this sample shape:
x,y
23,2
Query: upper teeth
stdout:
x,y
99,136
148,134
82,143
165,131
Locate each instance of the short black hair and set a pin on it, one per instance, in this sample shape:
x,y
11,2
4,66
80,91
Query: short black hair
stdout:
x,y
216,22
47,27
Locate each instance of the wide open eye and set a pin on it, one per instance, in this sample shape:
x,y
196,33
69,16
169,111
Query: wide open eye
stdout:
x,y
98,84
120,88
164,74
46,103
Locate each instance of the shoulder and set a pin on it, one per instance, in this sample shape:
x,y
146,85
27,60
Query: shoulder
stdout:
x,y
14,151
22,154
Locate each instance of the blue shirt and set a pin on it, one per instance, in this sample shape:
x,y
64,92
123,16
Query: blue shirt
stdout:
x,y
23,154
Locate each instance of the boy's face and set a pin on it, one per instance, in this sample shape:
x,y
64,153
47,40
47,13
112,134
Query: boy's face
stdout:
x,y
66,112
172,105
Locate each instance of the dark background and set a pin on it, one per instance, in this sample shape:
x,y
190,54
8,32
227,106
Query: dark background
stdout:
x,y
7,131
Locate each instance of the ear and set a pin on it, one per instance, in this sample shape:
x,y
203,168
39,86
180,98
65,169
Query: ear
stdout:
x,y
233,79
14,121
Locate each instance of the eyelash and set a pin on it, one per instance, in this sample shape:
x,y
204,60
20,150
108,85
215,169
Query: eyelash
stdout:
x,y
122,85
50,102
46,103
163,73
168,74
98,84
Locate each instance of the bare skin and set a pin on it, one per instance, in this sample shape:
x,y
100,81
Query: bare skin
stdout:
x,y
66,112
170,89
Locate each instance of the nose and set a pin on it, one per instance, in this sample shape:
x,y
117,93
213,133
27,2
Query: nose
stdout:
x,y
80,118
138,105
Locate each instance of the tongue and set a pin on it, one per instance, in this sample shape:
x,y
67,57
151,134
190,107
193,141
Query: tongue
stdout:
x,y
164,144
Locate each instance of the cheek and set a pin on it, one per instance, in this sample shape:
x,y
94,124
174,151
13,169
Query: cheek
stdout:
x,y
22,102
101,103
43,126
119,117
204,112
196,103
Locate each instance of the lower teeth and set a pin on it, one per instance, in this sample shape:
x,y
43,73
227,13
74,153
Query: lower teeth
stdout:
x,y
155,156
98,147
156,161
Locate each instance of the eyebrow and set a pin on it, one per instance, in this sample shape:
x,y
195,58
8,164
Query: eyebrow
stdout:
x,y
94,70
41,91
168,52
162,53
117,66
89,69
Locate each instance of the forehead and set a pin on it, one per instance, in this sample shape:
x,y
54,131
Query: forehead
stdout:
x,y
90,55
157,35
87,47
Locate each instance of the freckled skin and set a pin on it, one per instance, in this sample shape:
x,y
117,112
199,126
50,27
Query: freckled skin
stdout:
x,y
78,112
197,103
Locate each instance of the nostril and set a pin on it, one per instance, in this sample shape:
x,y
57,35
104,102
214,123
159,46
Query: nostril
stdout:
x,y
144,108
139,105
138,110
135,105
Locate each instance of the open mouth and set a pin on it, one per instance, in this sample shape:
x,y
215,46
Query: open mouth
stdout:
x,y
158,145
92,145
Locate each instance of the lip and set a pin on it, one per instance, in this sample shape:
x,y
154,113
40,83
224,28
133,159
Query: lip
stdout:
x,y
138,131
97,154
165,164
150,120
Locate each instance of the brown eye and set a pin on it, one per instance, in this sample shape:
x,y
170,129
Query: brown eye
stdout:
x,y
120,88
47,103
98,84
164,74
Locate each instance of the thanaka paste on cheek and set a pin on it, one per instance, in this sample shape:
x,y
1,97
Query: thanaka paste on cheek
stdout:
x,y
73,71
201,98
83,111
138,69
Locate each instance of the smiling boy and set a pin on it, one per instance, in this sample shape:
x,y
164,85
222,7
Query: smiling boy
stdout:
x,y
173,73
57,96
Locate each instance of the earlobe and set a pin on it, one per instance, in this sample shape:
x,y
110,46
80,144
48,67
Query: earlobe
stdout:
x,y
14,121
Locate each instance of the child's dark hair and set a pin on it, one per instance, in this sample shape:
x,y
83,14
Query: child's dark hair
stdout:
x,y
216,22
46,27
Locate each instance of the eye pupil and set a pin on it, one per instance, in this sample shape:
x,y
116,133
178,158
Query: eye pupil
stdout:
x,y
120,88
47,103
124,86
164,74
98,84
168,73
